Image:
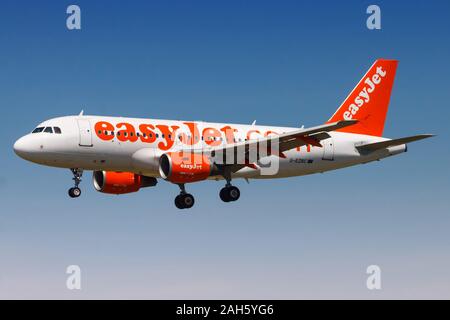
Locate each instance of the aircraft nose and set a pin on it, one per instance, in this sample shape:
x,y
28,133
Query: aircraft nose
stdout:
x,y
23,147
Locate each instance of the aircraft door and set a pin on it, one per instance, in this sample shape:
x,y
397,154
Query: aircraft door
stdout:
x,y
328,149
85,132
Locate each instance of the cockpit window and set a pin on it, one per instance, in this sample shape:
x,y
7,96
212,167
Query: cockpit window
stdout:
x,y
38,129
57,130
48,130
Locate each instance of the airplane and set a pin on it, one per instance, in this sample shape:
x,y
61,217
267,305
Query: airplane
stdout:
x,y
127,154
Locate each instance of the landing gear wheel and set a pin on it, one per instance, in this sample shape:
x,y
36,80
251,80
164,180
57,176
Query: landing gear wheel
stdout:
x,y
74,192
184,201
178,203
230,193
233,193
187,200
223,194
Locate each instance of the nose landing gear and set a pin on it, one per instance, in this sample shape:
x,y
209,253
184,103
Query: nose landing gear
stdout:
x,y
75,192
184,200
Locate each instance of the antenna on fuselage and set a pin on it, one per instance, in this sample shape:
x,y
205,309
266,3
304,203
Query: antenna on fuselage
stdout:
x,y
81,113
254,122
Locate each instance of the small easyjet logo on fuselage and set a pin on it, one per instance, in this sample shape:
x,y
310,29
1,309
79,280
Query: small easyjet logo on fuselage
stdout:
x,y
370,84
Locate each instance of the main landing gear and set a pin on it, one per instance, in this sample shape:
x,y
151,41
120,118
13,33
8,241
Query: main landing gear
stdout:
x,y
75,192
229,193
184,200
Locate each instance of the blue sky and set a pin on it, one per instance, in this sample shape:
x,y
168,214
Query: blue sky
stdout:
x,y
280,62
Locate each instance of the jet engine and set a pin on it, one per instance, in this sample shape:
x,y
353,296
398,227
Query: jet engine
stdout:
x,y
120,182
185,167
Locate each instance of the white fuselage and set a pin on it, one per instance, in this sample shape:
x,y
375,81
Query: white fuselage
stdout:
x,y
81,145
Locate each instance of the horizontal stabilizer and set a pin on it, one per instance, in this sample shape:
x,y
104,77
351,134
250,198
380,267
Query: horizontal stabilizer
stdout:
x,y
391,143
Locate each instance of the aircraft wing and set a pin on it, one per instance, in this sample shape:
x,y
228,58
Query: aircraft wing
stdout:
x,y
272,145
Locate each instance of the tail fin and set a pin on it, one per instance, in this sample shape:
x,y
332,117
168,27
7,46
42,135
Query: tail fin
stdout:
x,y
368,102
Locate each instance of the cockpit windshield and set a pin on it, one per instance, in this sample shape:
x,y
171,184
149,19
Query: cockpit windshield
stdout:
x,y
38,129
56,130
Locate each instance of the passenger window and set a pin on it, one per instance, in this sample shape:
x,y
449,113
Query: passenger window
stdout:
x,y
48,130
37,130
57,130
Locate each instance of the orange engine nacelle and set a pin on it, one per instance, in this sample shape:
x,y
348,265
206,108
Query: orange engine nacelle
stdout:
x,y
184,167
120,182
